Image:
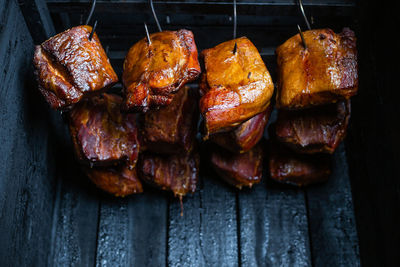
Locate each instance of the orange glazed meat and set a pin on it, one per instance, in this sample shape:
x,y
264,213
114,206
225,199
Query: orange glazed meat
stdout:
x,y
117,180
101,134
239,169
323,73
234,86
154,72
172,129
176,173
288,167
313,130
245,136
69,67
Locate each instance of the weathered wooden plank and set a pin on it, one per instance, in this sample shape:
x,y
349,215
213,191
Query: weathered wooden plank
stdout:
x,y
38,19
206,234
132,230
26,172
331,218
75,218
273,226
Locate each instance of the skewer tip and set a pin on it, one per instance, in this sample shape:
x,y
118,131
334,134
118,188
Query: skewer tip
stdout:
x,y
147,33
302,37
92,32
234,49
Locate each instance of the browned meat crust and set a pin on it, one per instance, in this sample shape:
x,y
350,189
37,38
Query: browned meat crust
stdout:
x,y
234,86
119,180
175,173
101,134
244,137
239,169
319,129
153,73
172,129
325,72
69,67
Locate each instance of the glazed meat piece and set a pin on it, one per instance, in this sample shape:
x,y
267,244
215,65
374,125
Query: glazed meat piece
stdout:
x,y
154,72
69,67
323,73
239,169
313,130
244,137
235,85
117,180
288,167
101,134
176,173
172,129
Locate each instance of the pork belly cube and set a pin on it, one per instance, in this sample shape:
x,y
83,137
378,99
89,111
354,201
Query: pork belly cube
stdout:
x,y
118,180
314,130
325,72
176,173
286,166
70,67
239,169
235,85
245,136
154,72
172,129
101,134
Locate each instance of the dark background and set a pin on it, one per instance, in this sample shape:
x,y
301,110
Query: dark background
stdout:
x,y
50,214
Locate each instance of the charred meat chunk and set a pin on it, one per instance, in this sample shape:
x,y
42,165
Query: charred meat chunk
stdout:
x,y
175,173
245,136
314,130
154,71
235,85
239,169
101,134
117,180
288,167
172,129
324,72
69,67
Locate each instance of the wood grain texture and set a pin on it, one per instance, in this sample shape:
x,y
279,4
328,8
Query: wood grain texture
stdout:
x,y
331,218
26,168
75,218
206,235
54,216
132,230
273,226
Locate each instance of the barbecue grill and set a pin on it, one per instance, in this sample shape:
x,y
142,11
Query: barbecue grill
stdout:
x,y
51,215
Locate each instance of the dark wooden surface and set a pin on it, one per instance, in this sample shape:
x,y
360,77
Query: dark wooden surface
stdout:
x,y
52,215
27,179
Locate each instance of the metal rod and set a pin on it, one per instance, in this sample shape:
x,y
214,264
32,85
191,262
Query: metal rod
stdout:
x,y
234,48
147,33
234,19
302,37
91,12
304,14
155,15
92,32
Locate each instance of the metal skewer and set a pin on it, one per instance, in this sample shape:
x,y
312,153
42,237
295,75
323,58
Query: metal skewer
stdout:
x,y
147,33
155,15
92,32
234,19
91,12
302,37
304,14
